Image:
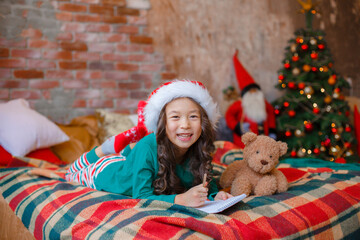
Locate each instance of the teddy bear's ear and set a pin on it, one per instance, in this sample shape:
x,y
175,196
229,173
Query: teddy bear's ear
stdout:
x,y
282,147
248,137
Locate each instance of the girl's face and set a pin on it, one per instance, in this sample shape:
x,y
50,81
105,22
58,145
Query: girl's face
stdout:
x,y
183,123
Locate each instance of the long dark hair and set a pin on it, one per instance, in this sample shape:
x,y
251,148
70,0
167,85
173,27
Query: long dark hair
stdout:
x,y
199,154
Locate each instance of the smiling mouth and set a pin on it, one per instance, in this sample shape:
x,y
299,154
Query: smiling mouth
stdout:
x,y
184,136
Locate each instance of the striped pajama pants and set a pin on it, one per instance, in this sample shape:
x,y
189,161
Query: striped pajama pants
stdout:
x,y
85,173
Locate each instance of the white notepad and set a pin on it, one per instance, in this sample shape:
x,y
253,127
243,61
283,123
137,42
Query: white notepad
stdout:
x,y
220,205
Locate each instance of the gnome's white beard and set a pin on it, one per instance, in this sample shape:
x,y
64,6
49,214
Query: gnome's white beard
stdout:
x,y
253,104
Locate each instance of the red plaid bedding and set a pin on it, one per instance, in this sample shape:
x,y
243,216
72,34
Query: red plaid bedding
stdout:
x,y
323,202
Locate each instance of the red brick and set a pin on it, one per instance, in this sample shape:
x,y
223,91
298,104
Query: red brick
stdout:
x,y
86,37
74,46
64,16
4,93
79,103
98,28
141,76
117,75
5,73
148,49
130,85
12,63
40,43
73,27
128,29
127,103
101,47
58,74
4,52
26,53
168,75
31,33
13,84
139,58
115,93
72,7
139,94
64,36
128,48
31,73
88,75
100,103
72,65
114,57
27,94
118,3
99,65
141,39
127,67
114,38
36,63
12,43
114,19
54,54
104,10
87,18
43,84
135,20
75,84
128,11
104,84
151,67
88,93
87,56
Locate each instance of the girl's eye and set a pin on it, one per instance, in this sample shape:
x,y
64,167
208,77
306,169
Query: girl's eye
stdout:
x,y
194,116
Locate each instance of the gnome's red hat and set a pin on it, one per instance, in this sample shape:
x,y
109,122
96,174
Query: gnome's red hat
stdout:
x,y
245,81
357,127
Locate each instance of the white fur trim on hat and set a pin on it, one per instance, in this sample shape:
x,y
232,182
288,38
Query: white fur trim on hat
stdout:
x,y
176,89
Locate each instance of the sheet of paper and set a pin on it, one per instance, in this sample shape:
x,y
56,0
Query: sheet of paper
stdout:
x,y
220,205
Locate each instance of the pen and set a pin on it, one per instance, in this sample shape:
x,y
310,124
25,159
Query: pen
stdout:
x,y
204,180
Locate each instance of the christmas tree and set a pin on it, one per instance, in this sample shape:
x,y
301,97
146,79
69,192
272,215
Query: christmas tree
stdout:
x,y
312,115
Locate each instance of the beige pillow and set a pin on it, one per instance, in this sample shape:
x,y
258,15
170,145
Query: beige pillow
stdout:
x,y
112,123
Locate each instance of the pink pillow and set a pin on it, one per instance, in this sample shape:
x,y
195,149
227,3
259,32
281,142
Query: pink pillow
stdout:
x,y
23,130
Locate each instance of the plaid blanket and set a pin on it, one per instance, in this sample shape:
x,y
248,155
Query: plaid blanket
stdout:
x,y
323,201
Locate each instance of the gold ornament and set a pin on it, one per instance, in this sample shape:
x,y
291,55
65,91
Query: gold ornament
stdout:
x,y
349,152
307,68
337,136
327,99
293,47
332,80
308,90
299,133
322,148
313,41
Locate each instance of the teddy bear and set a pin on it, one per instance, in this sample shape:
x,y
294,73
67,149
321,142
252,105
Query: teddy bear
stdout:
x,y
256,174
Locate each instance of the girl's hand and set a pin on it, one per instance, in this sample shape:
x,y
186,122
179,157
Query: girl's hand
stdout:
x,y
194,197
222,196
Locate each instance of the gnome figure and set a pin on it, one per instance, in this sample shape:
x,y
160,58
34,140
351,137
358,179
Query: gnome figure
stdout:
x,y
251,113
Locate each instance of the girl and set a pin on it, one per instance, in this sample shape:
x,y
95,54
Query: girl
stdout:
x,y
169,163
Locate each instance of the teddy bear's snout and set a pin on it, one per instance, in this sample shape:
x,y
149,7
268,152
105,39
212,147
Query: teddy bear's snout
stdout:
x,y
263,162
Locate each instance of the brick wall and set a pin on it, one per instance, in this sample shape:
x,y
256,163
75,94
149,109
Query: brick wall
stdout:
x,y
70,57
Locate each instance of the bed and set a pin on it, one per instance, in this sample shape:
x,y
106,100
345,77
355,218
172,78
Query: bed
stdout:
x,y
323,201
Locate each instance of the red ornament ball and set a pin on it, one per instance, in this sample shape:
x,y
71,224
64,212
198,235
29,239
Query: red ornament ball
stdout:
x,y
291,85
292,113
316,110
321,46
277,111
347,129
347,144
326,143
293,153
304,47
295,58
309,127
287,65
286,104
288,133
314,69
316,151
301,85
334,130
340,160
314,55
281,77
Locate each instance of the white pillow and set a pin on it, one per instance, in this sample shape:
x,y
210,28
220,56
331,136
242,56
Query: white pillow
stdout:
x,y
23,130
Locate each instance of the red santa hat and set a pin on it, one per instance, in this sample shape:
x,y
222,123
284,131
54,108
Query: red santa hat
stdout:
x,y
177,89
245,81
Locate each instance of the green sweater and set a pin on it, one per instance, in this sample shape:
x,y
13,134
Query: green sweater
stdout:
x,y
134,176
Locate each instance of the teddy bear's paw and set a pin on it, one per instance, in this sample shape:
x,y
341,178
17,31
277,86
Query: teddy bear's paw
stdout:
x,y
240,186
266,186
282,187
